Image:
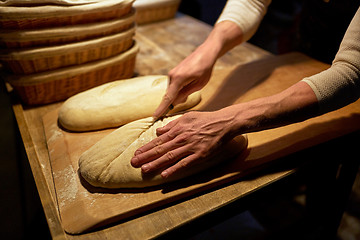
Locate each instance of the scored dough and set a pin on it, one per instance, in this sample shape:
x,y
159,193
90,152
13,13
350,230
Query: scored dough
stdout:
x,y
116,103
107,163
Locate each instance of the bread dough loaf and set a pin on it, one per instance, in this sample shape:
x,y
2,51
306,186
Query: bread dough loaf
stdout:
x,y
107,163
116,103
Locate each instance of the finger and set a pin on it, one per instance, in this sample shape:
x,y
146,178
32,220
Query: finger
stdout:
x,y
169,158
152,150
183,95
162,130
187,90
162,138
180,99
168,99
162,108
179,166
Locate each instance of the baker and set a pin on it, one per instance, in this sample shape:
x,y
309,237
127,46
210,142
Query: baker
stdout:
x,y
191,138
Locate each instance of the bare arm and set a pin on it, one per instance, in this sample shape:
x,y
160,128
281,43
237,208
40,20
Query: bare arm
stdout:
x,y
194,72
237,23
193,137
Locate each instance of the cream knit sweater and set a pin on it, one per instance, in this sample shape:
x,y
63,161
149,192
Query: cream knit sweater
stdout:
x,y
335,87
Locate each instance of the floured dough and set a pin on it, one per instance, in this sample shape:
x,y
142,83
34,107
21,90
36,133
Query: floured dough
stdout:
x,y
116,103
107,163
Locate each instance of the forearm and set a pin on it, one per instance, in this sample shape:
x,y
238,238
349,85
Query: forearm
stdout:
x,y
237,23
224,36
196,135
292,105
194,71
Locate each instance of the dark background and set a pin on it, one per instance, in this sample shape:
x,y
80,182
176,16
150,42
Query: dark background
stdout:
x,y
314,27
284,29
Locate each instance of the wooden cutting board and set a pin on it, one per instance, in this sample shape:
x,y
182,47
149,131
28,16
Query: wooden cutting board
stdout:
x,y
83,208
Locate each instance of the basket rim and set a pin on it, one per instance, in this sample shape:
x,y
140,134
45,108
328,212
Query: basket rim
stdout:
x,y
144,4
37,2
73,30
38,52
30,79
14,13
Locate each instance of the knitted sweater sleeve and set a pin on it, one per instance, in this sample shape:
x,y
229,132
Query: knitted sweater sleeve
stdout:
x,y
335,87
339,85
247,14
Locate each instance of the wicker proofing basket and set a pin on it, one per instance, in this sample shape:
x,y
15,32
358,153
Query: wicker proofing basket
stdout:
x,y
155,10
61,35
41,16
48,87
43,59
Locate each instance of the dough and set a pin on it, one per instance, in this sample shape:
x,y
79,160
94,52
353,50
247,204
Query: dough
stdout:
x,y
107,163
116,103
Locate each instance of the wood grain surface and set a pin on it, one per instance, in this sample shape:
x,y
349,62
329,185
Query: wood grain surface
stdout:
x,y
162,46
153,49
83,207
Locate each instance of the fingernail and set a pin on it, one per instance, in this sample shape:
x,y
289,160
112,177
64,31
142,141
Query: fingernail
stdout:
x,y
134,161
137,152
145,168
164,174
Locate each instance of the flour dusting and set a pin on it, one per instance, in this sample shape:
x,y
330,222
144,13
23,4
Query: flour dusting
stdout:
x,y
54,135
68,192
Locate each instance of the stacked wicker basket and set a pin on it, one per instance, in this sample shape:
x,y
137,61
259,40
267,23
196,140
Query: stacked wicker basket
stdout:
x,y
57,48
148,11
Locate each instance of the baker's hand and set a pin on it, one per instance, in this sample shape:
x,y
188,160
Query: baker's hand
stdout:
x,y
191,75
184,141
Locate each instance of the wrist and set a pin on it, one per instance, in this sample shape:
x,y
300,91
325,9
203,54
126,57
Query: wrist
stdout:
x,y
209,50
236,120
248,116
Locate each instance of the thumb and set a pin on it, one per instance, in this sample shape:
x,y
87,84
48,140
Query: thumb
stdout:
x,y
166,101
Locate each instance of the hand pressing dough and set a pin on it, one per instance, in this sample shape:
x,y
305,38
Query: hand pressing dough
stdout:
x,y
107,163
116,103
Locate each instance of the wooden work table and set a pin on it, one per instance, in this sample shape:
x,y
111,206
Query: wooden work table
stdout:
x,y
162,46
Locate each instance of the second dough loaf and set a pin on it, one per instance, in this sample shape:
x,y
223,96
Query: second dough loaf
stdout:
x,y
117,103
